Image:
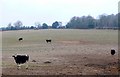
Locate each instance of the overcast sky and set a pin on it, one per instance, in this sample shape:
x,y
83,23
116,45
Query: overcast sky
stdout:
x,y
49,11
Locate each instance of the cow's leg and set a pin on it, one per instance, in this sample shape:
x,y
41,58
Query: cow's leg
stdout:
x,y
18,66
26,65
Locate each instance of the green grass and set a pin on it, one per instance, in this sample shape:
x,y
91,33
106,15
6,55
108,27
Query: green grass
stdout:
x,y
10,38
34,40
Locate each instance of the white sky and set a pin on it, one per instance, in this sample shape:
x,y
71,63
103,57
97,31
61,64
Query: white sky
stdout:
x,y
49,11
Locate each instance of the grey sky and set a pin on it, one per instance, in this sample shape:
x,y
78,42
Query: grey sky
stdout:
x,y
48,11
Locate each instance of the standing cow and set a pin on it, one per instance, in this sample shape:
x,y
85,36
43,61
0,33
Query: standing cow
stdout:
x,y
21,59
112,51
20,39
48,40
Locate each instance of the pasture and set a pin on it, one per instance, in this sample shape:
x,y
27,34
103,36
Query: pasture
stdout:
x,y
71,52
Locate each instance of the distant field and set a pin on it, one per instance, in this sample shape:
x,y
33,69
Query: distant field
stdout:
x,y
97,36
72,51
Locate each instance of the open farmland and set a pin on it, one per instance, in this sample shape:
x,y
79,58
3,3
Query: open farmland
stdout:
x,y
71,52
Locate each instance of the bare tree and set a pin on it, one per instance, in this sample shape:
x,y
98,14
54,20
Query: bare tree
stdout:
x,y
38,25
18,24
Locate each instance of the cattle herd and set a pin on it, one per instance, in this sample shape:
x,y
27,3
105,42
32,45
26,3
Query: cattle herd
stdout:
x,y
48,40
24,58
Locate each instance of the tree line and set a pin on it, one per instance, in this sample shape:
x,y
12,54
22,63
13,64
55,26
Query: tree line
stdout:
x,y
85,22
18,25
88,22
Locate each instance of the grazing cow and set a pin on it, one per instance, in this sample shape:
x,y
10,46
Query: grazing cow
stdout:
x,y
48,41
21,59
20,39
112,51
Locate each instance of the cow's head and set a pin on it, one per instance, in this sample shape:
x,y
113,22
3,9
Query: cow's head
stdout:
x,y
14,55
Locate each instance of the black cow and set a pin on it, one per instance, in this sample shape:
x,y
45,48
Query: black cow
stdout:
x,y
21,59
20,39
112,51
48,41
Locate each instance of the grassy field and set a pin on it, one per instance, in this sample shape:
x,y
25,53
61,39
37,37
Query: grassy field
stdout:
x,y
98,36
72,51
